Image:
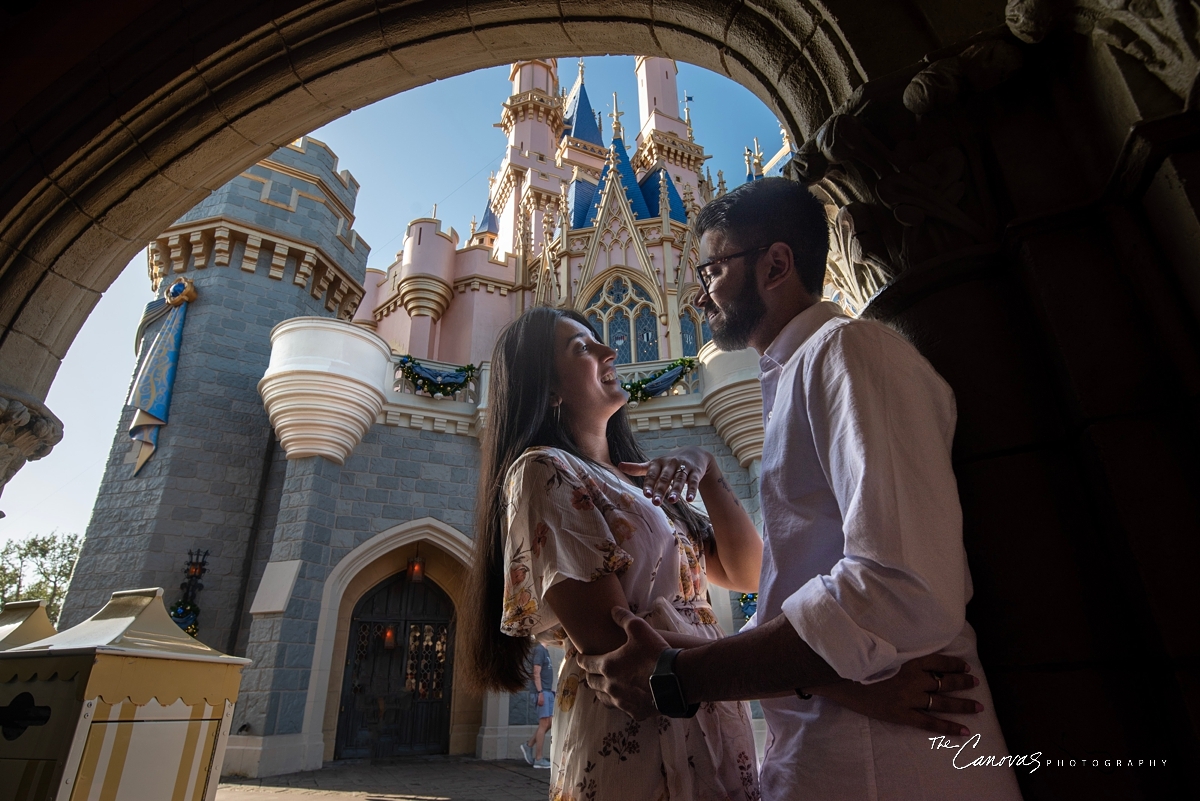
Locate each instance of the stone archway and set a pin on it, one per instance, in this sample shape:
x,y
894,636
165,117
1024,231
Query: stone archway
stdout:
x,y
107,142
129,112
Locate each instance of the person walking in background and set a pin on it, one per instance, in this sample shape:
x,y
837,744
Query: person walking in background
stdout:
x,y
541,683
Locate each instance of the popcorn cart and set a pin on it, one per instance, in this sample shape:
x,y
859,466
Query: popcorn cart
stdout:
x,y
123,707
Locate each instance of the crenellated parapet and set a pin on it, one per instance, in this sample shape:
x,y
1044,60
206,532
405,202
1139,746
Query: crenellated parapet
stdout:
x,y
220,243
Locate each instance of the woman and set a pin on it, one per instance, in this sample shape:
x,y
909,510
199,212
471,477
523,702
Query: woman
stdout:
x,y
565,533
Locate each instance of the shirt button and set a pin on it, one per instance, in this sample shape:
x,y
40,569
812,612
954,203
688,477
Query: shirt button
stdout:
x,y
769,414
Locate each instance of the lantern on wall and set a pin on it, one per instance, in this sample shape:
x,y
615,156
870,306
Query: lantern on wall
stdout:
x,y
416,569
389,638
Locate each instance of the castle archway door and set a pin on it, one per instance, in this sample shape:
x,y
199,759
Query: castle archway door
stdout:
x,y
396,686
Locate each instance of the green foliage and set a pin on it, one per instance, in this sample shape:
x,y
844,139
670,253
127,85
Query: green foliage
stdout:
x,y
38,567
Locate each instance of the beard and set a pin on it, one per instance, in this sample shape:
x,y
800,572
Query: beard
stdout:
x,y
738,317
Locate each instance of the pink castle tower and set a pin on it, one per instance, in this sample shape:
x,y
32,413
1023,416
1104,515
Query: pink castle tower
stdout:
x,y
570,220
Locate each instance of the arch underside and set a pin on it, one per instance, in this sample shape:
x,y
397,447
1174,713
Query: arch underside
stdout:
x,y
103,152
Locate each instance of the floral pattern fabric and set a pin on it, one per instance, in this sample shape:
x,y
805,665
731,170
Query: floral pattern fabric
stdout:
x,y
569,520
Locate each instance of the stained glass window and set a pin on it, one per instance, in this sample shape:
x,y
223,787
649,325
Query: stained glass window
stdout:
x,y
688,332
597,323
647,334
618,335
624,314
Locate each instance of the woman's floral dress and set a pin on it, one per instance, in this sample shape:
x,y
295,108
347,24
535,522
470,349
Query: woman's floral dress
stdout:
x,y
567,519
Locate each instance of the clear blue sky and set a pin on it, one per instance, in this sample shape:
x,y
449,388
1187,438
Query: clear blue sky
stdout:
x,y
435,144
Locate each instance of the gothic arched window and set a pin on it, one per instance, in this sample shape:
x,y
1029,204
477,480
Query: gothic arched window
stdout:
x,y
623,313
693,330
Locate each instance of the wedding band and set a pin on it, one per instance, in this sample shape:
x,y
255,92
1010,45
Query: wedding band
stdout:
x,y
929,706
680,469
938,679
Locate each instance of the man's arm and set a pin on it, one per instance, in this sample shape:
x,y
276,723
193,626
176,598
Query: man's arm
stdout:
x,y
770,660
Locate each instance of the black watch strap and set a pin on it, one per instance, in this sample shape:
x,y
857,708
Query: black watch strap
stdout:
x,y
666,689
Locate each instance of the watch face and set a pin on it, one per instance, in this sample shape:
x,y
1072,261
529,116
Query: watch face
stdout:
x,y
668,695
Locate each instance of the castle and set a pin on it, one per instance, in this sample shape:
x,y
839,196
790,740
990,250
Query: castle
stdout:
x,y
322,444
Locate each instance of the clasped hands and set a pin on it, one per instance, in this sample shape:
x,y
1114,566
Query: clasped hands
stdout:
x,y
621,679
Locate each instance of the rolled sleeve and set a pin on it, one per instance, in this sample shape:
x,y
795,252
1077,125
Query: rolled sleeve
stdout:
x,y
883,422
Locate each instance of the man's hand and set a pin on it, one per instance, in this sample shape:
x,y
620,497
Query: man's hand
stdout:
x,y
913,695
541,699
621,678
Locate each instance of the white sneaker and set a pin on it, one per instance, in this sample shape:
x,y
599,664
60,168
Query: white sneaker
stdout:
x,y
527,752
543,763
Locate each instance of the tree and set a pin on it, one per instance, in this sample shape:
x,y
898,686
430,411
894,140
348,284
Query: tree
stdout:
x,y
39,567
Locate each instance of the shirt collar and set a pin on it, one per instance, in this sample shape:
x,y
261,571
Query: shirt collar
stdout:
x,y
796,333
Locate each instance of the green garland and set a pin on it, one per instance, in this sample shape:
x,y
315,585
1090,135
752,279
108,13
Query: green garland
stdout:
x,y
637,389
409,368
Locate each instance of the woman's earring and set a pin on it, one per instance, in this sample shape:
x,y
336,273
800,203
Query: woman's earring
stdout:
x,y
558,415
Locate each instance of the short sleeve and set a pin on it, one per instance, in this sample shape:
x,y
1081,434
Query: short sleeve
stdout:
x,y
555,530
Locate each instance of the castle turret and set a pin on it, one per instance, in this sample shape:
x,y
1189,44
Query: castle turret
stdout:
x,y
426,276
528,184
664,138
275,242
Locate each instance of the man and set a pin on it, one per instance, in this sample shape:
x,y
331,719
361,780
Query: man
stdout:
x,y
541,680
863,563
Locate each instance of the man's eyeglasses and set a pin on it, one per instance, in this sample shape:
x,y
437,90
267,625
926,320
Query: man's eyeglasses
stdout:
x,y
702,270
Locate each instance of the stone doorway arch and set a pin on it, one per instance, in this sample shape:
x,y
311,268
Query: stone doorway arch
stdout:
x,y
447,552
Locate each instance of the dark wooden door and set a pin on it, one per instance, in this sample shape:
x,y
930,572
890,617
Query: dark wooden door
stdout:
x,y
396,688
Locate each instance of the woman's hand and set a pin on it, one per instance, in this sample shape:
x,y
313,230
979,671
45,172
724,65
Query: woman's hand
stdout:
x,y
673,476
735,558
912,695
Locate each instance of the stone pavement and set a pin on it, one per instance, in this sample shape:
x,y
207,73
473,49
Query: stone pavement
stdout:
x,y
435,778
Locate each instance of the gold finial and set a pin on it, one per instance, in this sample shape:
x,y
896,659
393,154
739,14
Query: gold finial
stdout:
x,y
433,213
581,69
472,227
787,138
618,131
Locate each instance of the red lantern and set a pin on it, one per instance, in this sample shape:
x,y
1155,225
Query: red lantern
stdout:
x,y
416,569
389,638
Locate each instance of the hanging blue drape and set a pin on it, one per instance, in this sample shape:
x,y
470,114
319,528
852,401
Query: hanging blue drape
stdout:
x,y
664,381
151,391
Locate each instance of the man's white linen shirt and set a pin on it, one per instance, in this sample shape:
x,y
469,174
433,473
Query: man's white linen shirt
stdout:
x,y
863,553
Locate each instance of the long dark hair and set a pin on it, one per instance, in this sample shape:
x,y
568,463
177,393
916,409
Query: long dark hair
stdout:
x,y
519,417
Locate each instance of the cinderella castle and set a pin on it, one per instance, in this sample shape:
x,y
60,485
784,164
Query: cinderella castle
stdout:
x,y
301,441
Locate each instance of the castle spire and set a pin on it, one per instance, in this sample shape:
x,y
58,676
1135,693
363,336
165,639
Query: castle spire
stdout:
x,y
618,130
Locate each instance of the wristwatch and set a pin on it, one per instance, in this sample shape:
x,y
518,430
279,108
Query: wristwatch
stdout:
x,y
666,689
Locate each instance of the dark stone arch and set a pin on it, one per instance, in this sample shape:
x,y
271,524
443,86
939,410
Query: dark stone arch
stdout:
x,y
129,113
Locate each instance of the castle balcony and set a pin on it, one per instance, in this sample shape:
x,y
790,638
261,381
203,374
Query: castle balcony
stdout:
x,y
329,381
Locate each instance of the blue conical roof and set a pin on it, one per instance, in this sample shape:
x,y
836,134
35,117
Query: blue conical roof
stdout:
x,y
629,183
581,195
490,224
650,190
579,120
